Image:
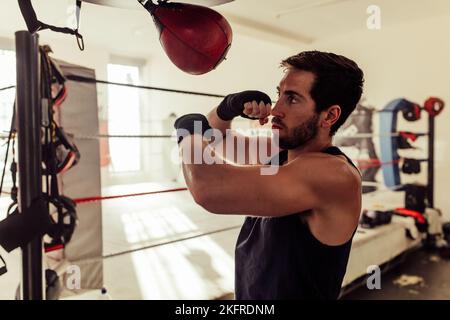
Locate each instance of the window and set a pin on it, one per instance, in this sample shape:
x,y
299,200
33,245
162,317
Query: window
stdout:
x,y
124,118
7,78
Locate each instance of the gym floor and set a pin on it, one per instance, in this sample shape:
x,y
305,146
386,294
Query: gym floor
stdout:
x,y
428,266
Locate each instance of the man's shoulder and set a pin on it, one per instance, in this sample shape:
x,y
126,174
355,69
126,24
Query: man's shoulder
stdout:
x,y
328,171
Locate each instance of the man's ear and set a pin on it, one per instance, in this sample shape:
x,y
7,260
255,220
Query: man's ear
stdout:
x,y
332,115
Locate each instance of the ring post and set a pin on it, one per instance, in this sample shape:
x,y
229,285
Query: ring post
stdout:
x,y
430,161
28,111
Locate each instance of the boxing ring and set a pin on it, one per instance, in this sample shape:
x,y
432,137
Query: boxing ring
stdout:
x,y
151,240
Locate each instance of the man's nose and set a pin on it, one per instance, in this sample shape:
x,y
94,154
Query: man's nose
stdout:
x,y
276,110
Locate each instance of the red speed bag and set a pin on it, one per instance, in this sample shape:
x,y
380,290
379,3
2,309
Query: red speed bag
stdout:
x,y
195,38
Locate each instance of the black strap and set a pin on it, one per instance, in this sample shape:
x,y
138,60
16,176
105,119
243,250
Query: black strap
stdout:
x,y
34,25
79,37
50,148
14,189
335,151
28,13
3,268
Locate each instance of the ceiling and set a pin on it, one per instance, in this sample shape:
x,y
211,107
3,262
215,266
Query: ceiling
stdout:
x,y
288,22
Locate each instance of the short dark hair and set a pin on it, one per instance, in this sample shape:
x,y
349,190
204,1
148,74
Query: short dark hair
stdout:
x,y
338,80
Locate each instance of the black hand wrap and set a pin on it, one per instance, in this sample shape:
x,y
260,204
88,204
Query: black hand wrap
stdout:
x,y
192,123
233,104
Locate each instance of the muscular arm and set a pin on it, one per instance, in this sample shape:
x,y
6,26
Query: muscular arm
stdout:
x,y
314,181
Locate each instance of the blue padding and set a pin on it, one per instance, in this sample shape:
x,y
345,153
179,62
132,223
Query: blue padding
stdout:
x,y
388,143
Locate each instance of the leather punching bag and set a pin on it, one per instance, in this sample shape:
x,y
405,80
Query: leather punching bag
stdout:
x,y
195,38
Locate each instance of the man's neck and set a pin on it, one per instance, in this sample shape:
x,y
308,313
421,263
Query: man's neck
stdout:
x,y
315,145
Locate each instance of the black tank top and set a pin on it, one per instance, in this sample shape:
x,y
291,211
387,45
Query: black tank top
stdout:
x,y
279,258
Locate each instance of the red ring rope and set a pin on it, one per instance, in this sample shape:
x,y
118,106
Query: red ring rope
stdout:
x,y
374,163
98,198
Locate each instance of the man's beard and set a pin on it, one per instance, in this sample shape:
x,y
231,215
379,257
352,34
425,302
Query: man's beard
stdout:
x,y
301,134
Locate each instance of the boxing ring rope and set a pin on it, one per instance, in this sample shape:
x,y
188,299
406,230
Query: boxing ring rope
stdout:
x,y
168,136
91,80
7,88
100,198
172,241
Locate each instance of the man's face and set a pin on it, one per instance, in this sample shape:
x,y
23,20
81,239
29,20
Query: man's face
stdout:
x,y
294,115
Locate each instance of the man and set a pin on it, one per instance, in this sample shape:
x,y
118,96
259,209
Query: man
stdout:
x,y
296,239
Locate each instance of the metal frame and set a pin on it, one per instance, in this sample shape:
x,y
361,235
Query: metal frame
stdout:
x,y
430,176
28,111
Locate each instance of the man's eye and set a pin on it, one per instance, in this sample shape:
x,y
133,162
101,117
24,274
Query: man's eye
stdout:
x,y
292,99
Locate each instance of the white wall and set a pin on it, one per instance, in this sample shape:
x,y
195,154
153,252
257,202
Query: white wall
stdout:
x,y
410,60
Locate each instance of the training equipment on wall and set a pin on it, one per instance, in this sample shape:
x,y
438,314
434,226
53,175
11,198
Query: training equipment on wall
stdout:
x,y
352,133
411,166
387,234
417,197
390,144
374,218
